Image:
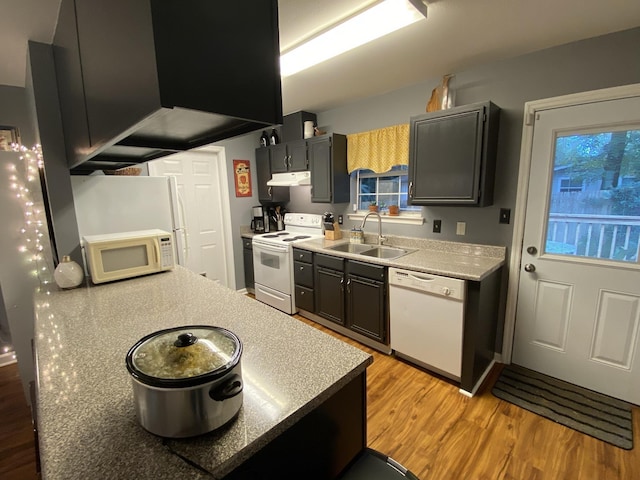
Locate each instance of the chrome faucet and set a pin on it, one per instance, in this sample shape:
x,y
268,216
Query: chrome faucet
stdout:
x,y
380,237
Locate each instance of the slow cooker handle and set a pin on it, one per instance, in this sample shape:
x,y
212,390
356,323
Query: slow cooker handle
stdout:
x,y
230,388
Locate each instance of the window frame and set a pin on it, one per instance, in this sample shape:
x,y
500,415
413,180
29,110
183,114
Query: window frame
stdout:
x,y
410,216
403,178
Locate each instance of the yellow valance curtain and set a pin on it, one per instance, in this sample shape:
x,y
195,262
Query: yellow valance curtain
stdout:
x,y
378,150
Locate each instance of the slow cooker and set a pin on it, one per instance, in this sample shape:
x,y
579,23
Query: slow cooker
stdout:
x,y
187,381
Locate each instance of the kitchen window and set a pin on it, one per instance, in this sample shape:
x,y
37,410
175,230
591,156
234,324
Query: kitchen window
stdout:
x,y
388,188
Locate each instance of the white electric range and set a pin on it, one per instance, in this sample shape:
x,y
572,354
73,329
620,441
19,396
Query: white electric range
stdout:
x,y
273,259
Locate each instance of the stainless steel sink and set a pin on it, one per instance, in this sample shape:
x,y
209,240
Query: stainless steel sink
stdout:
x,y
377,251
350,247
386,252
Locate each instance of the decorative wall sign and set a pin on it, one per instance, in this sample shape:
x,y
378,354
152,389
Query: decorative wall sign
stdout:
x,y
8,135
242,177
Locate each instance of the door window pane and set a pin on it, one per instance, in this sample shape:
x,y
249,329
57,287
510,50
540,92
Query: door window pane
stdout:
x,y
594,207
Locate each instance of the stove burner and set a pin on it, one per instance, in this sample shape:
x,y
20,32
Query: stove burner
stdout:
x,y
270,236
299,237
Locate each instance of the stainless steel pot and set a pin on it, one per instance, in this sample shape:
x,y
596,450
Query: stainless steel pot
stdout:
x,y
186,380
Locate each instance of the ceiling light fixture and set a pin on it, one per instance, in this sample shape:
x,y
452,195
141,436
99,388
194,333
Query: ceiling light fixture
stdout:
x,y
377,21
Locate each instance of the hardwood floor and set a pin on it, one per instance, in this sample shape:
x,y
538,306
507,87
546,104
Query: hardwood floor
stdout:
x,y
422,422
17,447
425,424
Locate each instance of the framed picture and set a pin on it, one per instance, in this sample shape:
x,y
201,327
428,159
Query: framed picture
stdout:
x,y
242,177
8,135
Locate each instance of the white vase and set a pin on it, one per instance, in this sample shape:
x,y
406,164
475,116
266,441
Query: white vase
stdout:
x,y
68,274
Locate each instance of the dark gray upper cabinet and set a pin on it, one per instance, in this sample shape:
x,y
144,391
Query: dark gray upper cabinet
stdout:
x,y
452,156
143,79
289,157
328,166
267,194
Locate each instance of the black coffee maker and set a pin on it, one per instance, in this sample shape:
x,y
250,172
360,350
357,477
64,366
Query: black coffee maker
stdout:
x,y
257,221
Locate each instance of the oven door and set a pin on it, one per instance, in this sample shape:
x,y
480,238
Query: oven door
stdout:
x,y
273,266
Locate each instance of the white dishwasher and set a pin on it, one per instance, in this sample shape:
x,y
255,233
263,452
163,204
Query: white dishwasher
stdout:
x,y
426,317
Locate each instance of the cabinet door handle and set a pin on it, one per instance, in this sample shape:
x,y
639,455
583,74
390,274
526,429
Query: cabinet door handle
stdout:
x,y
285,161
349,286
289,159
411,189
269,191
301,268
301,293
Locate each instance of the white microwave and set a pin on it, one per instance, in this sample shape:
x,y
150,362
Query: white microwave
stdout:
x,y
116,256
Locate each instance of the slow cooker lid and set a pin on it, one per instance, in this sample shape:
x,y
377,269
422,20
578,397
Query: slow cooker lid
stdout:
x,y
185,352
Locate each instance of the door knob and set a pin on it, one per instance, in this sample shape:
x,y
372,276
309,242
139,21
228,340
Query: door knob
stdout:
x,y
529,267
532,250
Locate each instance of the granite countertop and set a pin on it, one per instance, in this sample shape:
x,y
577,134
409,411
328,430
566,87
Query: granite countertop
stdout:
x,y
452,259
86,415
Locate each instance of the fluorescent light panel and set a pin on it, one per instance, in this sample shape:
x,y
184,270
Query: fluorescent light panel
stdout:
x,y
381,19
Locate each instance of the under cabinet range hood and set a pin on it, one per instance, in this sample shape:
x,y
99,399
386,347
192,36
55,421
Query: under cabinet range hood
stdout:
x,y
144,79
290,179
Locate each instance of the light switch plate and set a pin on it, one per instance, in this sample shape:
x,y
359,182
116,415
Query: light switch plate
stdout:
x,y
461,228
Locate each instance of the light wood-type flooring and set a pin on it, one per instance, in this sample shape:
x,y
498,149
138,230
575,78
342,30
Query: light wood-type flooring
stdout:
x,y
422,422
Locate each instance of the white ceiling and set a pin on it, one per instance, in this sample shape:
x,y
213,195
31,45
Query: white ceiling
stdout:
x,y
457,35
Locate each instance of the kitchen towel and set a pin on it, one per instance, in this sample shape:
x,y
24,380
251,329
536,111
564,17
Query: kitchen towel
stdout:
x,y
586,411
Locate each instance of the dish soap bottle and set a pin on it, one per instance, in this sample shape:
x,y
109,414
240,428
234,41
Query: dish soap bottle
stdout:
x,y
68,274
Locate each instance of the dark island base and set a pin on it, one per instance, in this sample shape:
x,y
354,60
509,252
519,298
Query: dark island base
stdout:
x,y
320,445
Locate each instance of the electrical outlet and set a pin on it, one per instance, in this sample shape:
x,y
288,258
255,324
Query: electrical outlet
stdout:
x,y
461,228
339,219
505,215
437,226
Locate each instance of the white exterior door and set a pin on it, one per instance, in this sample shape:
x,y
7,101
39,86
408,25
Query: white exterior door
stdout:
x,y
200,188
578,307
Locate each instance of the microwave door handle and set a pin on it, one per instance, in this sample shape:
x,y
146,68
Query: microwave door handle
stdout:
x,y
156,250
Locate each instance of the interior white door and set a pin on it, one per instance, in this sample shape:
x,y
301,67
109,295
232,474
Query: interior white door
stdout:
x,y
578,308
199,187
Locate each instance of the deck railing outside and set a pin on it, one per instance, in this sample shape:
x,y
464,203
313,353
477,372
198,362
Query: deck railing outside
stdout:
x,y
613,237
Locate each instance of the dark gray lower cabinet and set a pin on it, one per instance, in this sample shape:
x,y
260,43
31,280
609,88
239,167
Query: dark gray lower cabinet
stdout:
x,y
247,253
366,300
329,287
352,294
303,279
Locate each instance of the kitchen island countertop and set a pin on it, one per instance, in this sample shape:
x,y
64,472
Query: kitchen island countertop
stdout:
x,y
85,406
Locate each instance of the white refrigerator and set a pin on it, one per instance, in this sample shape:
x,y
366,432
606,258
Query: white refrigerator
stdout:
x,y
118,203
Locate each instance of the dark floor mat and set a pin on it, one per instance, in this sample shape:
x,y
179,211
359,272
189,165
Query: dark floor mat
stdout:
x,y
586,411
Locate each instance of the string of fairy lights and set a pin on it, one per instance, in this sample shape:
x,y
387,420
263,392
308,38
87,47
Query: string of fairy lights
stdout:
x,y
27,191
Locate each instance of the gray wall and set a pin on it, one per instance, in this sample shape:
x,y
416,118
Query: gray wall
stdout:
x,y
240,148
44,109
16,275
591,64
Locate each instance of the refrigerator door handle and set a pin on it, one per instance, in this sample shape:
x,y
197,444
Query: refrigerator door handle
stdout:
x,y
184,229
